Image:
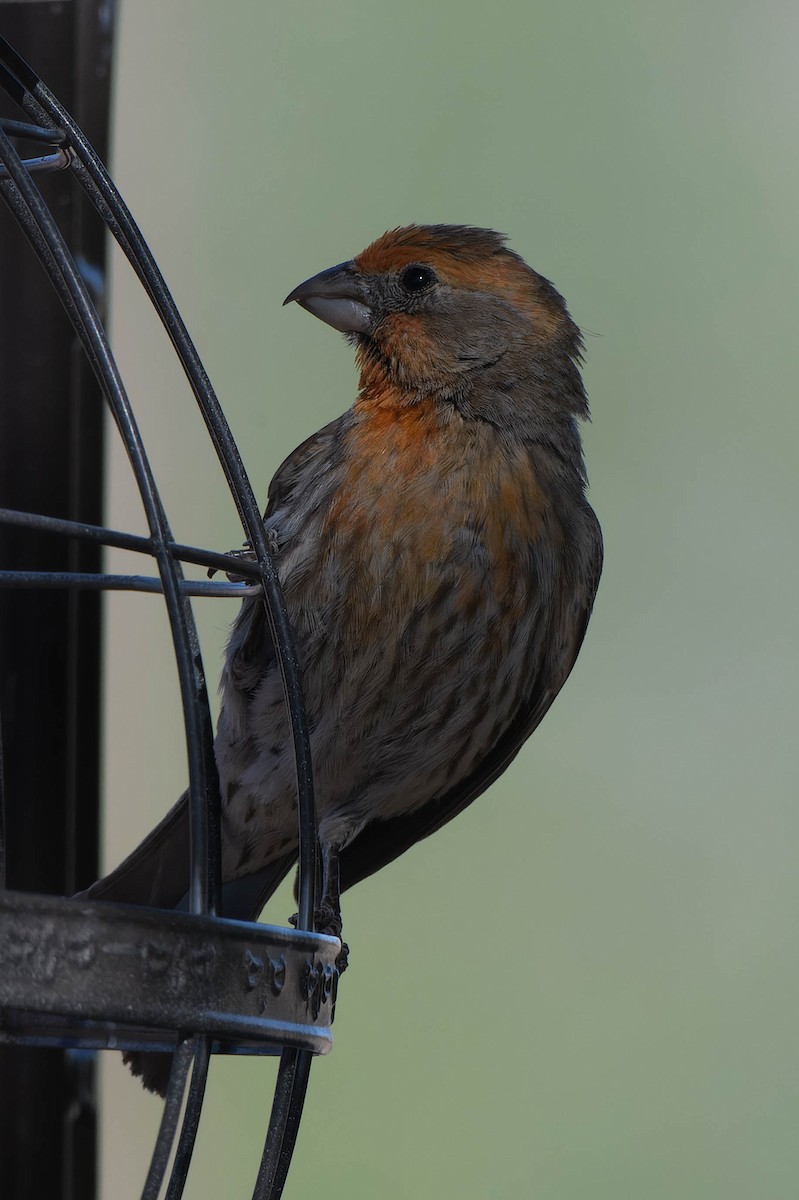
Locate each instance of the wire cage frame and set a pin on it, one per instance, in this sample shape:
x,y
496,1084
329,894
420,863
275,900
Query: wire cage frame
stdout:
x,y
250,988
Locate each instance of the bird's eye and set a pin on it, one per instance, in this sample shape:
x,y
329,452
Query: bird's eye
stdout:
x,y
416,279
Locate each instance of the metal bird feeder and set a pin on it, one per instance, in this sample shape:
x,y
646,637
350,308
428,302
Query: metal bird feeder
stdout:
x,y
78,976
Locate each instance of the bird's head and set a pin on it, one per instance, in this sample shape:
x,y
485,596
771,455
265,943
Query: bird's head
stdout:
x,y
449,311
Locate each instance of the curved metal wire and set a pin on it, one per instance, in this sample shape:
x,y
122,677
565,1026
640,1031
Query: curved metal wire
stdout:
x,y
53,125
181,1062
38,101
36,221
191,1120
284,1123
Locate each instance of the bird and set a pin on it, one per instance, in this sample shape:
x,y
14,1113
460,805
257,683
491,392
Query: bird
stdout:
x,y
439,560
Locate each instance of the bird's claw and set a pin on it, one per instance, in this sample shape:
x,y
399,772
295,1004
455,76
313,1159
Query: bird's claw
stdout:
x,y
326,920
343,958
246,554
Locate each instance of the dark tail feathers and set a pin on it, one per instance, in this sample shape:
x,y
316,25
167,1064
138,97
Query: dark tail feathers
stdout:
x,y
156,874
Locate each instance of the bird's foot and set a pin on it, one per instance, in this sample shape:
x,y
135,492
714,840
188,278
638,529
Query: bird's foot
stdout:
x,y
326,919
246,554
343,958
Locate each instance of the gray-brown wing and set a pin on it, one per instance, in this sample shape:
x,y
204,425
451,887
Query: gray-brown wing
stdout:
x,y
254,652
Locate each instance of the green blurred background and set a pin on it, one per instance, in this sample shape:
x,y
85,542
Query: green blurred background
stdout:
x,y
586,986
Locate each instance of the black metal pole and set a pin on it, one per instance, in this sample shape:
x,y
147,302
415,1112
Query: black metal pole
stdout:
x,y
51,461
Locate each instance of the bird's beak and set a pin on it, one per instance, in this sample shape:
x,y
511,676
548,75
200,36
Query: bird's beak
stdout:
x,y
337,296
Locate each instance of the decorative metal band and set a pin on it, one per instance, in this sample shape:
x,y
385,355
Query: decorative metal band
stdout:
x,y
129,976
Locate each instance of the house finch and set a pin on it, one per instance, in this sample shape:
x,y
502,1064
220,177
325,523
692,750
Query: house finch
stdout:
x,y
439,561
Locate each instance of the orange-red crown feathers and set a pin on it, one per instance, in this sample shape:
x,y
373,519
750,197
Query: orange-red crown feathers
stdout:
x,y
470,258
437,243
